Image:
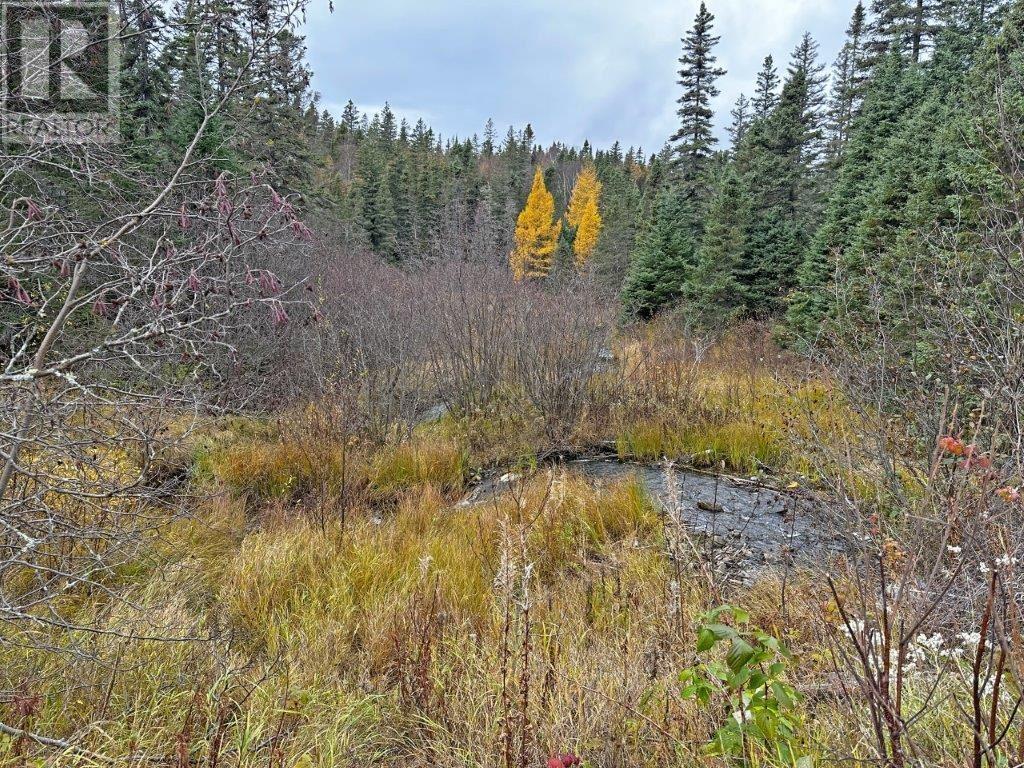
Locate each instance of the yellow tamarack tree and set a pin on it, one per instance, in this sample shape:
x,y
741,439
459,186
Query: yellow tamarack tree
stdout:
x,y
536,233
583,214
587,233
586,188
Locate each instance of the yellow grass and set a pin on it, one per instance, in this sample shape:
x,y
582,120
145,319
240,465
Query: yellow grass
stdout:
x,y
383,641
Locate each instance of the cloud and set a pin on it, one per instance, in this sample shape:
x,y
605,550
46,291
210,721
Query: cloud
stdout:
x,y
576,69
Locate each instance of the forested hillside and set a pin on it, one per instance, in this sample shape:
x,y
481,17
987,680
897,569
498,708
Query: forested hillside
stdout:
x,y
327,440
828,170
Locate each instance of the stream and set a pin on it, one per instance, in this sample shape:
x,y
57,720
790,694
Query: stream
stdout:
x,y
742,528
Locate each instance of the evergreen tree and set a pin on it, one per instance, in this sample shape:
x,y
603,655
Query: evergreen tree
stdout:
x,y
715,294
783,191
145,85
695,139
964,27
488,145
376,205
187,60
766,92
907,26
349,120
401,188
740,121
849,78
805,63
620,209
895,90
664,260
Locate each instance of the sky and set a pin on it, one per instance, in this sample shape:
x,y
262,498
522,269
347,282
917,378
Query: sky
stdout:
x,y
602,70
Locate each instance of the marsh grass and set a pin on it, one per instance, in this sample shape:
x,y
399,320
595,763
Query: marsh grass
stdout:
x,y
364,618
383,641
436,461
319,627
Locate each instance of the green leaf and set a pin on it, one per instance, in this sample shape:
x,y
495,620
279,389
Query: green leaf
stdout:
x,y
739,654
705,640
782,694
720,631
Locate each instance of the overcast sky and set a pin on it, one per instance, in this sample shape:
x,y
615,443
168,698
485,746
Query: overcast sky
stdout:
x,y
576,69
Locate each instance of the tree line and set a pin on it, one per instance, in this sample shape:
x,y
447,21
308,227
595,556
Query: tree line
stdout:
x,y
828,180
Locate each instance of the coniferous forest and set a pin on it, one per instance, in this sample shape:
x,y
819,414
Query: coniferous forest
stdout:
x,y
329,440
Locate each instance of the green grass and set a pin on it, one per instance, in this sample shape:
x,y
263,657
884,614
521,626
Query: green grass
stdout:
x,y
741,446
434,461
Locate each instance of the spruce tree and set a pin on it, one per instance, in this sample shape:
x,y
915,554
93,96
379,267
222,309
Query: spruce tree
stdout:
x,y
401,188
664,259
349,120
805,62
907,26
848,83
375,203
145,85
620,209
782,187
766,91
715,295
695,139
488,146
895,90
964,26
740,121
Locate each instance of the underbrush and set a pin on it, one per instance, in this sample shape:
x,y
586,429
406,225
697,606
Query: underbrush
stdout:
x,y
386,640
548,620
739,404
332,602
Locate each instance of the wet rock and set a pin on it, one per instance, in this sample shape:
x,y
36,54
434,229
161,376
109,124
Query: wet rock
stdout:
x,y
708,506
434,413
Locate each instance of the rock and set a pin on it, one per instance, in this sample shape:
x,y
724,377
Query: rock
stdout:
x,y
707,506
434,413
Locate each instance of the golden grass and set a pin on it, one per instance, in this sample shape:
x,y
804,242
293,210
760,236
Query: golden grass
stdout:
x,y
325,622
741,446
434,461
382,641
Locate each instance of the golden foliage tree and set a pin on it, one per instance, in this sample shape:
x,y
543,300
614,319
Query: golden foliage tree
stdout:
x,y
536,233
587,233
586,188
583,214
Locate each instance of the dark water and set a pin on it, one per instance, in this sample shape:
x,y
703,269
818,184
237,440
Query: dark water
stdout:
x,y
741,527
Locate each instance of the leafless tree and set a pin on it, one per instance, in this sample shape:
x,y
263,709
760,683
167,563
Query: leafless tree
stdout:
x,y
118,323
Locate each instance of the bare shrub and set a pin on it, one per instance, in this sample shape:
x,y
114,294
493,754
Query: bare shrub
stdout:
x,y
118,318
558,342
469,309
493,336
